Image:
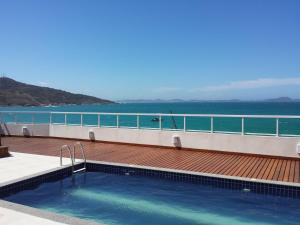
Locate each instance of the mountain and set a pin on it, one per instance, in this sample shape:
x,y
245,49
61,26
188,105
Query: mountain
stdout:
x,y
151,101
281,99
175,100
16,93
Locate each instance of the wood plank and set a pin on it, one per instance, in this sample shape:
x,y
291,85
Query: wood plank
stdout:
x,y
248,169
297,172
259,169
221,160
222,164
273,169
287,171
196,166
268,170
230,170
282,170
292,171
277,170
196,161
255,167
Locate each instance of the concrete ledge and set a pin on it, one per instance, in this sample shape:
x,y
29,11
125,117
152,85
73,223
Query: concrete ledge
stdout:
x,y
31,129
249,144
28,212
59,218
3,151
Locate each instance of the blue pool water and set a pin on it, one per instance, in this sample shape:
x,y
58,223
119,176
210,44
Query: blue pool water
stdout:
x,y
133,200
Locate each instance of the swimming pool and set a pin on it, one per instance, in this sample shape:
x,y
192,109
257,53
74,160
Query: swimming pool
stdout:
x,y
115,199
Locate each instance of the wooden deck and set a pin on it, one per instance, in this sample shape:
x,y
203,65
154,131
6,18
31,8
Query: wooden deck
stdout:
x,y
267,168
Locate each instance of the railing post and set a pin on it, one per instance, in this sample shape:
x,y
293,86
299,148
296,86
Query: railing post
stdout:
x,y
98,120
277,127
50,118
117,120
160,123
15,118
138,121
65,118
1,118
211,124
243,126
81,119
184,123
60,157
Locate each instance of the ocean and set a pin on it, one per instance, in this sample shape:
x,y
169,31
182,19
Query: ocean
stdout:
x,y
265,126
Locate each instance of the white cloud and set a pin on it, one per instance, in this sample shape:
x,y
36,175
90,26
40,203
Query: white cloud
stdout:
x,y
42,83
250,84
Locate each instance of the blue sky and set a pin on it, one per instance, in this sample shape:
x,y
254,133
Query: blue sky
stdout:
x,y
126,49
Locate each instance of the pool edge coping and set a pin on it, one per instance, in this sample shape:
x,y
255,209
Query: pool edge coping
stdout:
x,y
44,214
162,169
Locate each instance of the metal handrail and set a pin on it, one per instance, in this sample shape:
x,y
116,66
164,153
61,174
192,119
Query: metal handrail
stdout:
x,y
158,114
82,152
67,147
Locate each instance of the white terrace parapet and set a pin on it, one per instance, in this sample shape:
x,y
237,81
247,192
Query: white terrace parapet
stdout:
x,y
92,125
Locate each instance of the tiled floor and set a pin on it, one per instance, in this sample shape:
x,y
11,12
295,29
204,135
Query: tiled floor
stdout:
x,y
20,165
12,217
231,164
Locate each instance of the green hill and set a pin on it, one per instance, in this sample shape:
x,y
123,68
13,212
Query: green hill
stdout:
x,y
16,93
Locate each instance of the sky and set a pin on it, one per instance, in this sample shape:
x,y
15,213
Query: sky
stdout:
x,y
141,49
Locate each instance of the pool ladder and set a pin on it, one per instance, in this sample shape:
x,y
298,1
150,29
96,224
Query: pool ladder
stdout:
x,y
72,153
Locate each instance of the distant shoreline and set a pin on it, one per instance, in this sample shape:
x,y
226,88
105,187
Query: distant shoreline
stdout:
x,y
209,101
149,103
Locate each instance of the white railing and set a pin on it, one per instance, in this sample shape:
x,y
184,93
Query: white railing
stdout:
x,y
100,121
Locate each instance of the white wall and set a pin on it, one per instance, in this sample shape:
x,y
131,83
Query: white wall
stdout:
x,y
16,129
267,145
